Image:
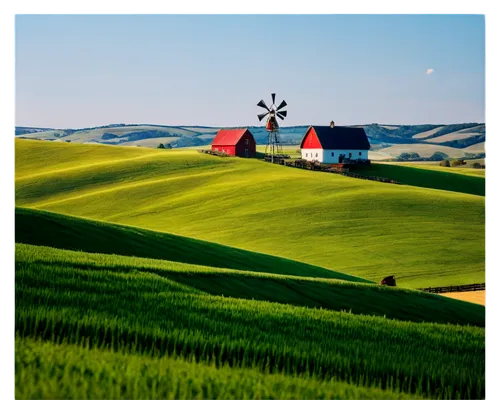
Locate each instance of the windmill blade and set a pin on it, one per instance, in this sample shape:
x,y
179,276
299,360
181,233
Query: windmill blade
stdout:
x,y
260,116
281,114
263,105
283,104
273,95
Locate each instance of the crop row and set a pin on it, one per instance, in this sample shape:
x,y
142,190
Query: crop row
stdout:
x,y
47,370
146,315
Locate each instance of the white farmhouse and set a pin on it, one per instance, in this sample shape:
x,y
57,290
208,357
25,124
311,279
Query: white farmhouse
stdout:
x,y
335,144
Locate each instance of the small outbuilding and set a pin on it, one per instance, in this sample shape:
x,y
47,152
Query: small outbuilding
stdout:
x,y
335,144
236,142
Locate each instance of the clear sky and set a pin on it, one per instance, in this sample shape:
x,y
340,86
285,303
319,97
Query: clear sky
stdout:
x,y
75,71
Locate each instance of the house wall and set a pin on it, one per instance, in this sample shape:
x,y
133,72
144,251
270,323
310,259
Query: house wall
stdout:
x,y
326,157
312,154
247,141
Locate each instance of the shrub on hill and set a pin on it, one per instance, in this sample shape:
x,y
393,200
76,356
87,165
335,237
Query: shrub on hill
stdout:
x,y
408,156
108,136
456,163
444,163
477,165
438,156
161,146
472,156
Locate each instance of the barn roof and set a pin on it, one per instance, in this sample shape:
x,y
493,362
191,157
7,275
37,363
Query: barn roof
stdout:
x,y
228,137
340,138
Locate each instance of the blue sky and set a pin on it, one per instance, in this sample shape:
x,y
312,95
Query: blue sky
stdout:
x,y
76,71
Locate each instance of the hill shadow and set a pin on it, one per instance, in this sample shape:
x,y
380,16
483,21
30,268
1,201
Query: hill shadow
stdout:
x,y
44,228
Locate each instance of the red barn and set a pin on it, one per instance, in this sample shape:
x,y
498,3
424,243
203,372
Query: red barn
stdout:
x,y
236,142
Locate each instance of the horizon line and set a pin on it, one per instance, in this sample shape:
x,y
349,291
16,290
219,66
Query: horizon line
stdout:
x,y
235,126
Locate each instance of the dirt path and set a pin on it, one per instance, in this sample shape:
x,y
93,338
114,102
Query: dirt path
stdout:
x,y
478,297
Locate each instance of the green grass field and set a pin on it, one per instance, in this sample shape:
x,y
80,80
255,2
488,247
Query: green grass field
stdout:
x,y
332,294
362,228
69,298
460,169
465,180
74,372
153,274
59,231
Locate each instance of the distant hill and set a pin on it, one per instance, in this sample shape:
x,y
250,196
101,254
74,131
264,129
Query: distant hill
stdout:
x,y
467,136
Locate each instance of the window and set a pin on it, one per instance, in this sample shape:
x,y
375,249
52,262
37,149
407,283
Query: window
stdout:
x,y
246,141
359,153
350,155
316,154
333,153
246,152
307,154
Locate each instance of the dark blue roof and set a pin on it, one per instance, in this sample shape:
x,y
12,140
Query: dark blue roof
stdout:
x,y
341,138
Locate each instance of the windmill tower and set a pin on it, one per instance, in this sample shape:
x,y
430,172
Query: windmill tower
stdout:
x,y
273,146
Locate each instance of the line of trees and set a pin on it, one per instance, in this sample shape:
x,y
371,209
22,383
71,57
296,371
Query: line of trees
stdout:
x,y
458,162
412,156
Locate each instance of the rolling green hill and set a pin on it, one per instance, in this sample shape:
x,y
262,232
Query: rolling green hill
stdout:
x,y
433,177
97,270
363,228
64,232
460,169
115,309
145,273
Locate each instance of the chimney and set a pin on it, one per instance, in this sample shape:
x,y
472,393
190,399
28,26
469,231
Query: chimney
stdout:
x,y
332,124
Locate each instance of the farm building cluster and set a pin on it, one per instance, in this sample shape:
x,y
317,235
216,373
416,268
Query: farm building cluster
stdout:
x,y
324,144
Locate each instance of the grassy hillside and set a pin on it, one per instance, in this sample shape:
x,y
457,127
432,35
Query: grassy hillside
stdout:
x,y
451,136
427,133
64,232
476,148
47,265
358,227
434,177
426,150
49,371
151,142
460,169
115,315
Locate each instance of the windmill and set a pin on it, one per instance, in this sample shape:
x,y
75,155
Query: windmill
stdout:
x,y
273,147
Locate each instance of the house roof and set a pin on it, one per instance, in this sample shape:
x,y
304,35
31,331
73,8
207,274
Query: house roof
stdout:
x,y
340,138
228,137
